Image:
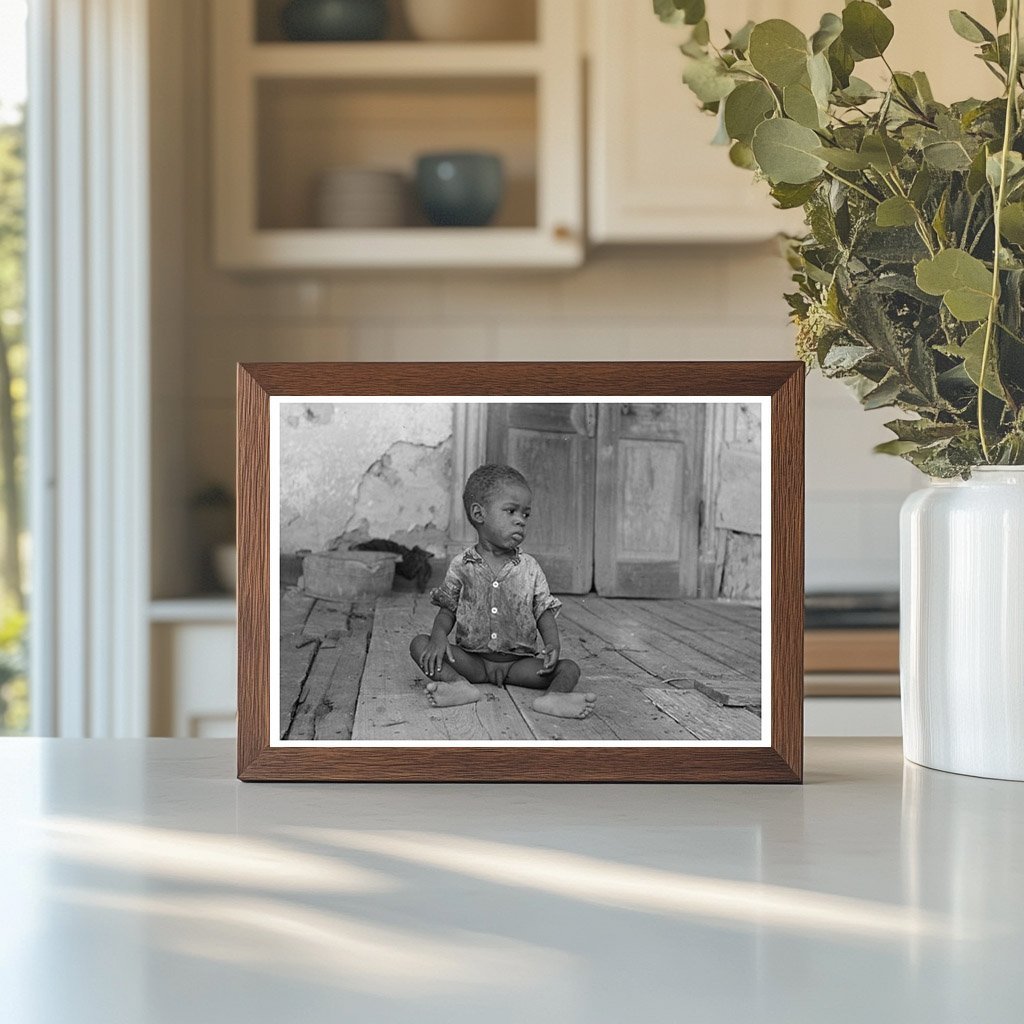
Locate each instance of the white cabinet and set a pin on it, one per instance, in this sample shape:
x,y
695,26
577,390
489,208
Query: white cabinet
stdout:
x,y
654,176
192,651
287,113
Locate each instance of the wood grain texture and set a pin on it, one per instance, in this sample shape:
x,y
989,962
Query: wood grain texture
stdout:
x,y
781,762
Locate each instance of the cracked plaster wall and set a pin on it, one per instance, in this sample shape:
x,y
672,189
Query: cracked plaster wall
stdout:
x,y
365,470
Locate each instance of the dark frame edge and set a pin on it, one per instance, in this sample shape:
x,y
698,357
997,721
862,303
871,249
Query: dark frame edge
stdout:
x,y
252,487
787,501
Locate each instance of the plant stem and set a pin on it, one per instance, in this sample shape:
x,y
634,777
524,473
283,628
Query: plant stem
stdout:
x,y
855,187
993,309
922,225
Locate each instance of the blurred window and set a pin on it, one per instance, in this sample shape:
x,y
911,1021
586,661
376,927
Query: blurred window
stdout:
x,y
14,540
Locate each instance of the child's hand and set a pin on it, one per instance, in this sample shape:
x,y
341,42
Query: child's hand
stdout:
x,y
433,657
550,656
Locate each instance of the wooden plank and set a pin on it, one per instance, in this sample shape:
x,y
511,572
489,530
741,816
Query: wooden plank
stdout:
x,y
715,638
656,651
326,622
704,718
295,607
335,715
389,668
410,716
703,616
622,712
596,657
734,693
744,615
295,663
314,690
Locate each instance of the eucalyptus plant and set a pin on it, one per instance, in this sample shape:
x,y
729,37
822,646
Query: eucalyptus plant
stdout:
x,y
910,278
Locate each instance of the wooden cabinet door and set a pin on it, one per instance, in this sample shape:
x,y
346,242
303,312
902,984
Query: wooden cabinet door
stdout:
x,y
553,446
653,174
649,466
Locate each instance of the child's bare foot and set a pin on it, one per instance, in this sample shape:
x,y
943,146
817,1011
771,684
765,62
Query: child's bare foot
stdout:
x,y
565,705
450,695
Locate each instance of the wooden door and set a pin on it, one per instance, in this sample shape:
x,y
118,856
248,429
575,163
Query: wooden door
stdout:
x,y
554,447
649,471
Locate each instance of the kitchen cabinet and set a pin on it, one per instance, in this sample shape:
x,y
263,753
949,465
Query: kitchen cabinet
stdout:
x,y
653,175
287,113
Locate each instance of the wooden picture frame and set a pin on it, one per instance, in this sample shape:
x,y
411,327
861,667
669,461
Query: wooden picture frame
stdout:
x,y
778,757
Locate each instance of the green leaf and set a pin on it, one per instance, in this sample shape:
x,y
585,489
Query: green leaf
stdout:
x,y
785,152
939,220
789,197
946,156
708,80
921,185
883,153
885,394
924,88
963,281
971,352
745,108
1012,223
820,76
866,29
841,60
739,41
844,159
896,212
923,431
994,167
778,50
800,105
742,155
676,12
895,447
701,33
858,91
976,174
999,7
829,30
969,28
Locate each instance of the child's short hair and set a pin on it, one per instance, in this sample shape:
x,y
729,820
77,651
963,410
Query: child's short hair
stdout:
x,y
483,482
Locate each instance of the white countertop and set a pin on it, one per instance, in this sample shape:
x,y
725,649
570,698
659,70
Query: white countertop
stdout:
x,y
143,885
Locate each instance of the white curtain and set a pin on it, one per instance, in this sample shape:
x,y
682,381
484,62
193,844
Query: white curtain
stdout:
x,y
88,318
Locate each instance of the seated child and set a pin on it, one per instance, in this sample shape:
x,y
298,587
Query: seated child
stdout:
x,y
498,600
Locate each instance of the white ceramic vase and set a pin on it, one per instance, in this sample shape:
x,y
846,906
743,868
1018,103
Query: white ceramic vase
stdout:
x,y
962,624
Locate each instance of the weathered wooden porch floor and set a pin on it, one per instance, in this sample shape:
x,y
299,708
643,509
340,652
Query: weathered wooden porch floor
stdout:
x,y
662,670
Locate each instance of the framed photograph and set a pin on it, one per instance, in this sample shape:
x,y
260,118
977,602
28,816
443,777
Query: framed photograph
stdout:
x,y
512,572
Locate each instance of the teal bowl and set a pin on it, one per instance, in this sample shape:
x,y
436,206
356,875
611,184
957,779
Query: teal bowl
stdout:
x,y
334,21
462,190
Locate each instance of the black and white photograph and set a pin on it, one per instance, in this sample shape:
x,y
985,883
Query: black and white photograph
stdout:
x,y
551,570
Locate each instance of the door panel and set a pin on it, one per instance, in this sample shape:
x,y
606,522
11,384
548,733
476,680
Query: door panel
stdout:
x,y
554,447
648,499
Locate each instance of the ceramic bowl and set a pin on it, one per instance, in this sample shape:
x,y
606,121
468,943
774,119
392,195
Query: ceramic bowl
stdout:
x,y
358,197
460,189
334,20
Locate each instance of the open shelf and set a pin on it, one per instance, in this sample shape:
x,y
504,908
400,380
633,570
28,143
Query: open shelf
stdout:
x,y
308,127
393,60
287,113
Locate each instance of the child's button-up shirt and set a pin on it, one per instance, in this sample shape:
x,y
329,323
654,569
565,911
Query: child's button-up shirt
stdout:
x,y
496,613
